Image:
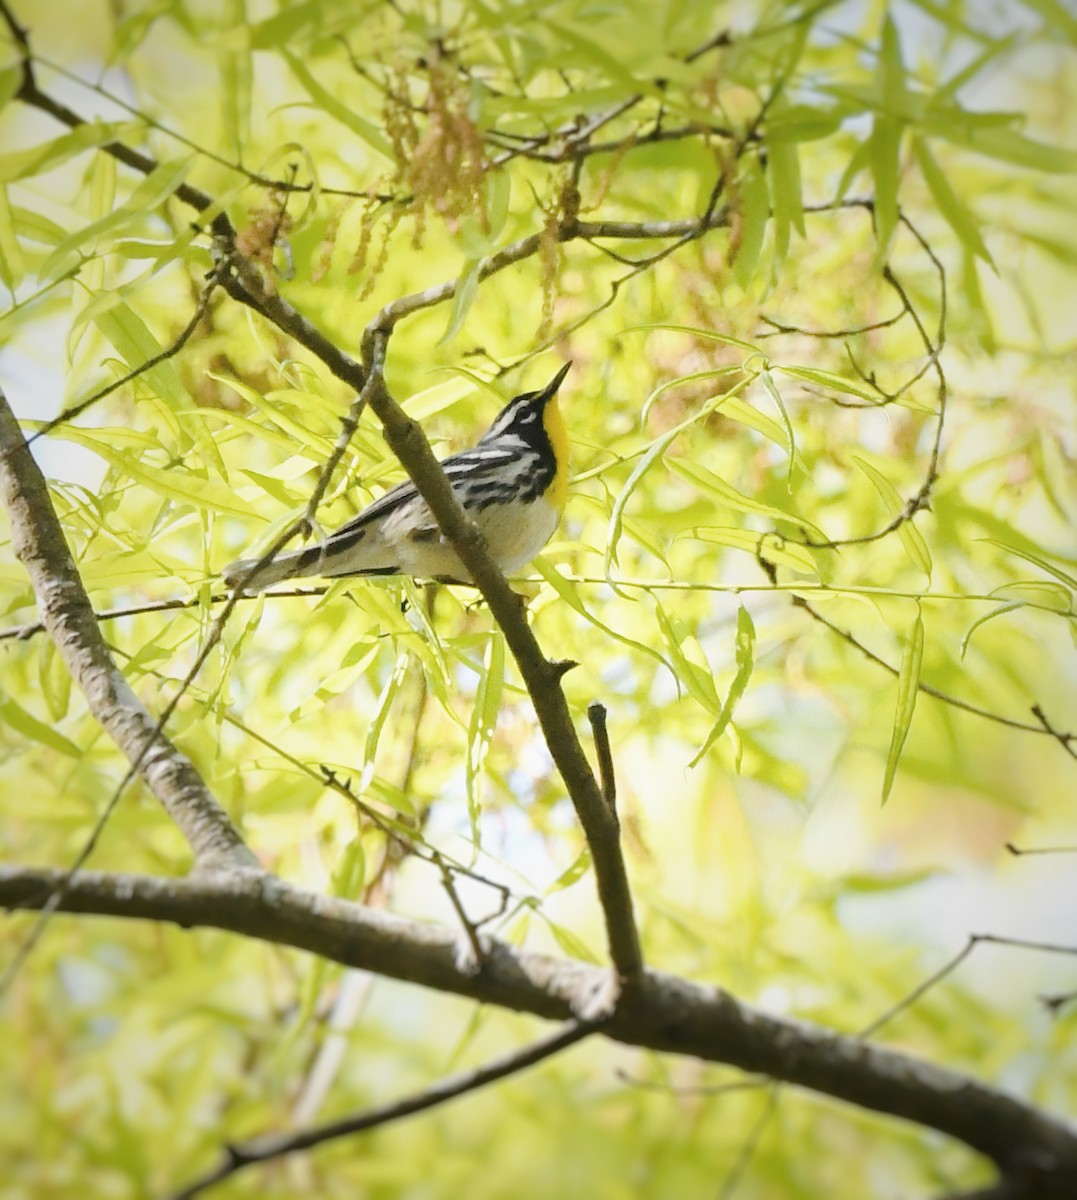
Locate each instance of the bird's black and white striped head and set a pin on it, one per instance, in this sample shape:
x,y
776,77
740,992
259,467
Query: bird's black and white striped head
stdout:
x,y
522,416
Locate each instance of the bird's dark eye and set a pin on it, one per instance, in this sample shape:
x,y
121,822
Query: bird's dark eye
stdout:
x,y
524,418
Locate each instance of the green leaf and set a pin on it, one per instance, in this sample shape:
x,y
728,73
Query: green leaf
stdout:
x,y
613,534
382,709
893,91
131,336
571,874
708,335
1004,144
37,731
175,483
885,165
484,714
957,215
696,678
908,689
1039,593
10,82
707,481
745,661
980,621
776,396
1056,16
755,213
467,288
832,381
911,537
1037,561
24,164
803,123
567,592
12,266
783,174
55,681
768,545
325,99
156,187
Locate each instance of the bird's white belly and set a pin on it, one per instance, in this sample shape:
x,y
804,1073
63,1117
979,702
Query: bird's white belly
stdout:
x,y
514,535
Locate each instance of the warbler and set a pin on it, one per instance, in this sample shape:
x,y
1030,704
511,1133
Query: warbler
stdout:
x,y
512,483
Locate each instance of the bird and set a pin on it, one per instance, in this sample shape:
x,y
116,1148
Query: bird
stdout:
x,y
512,483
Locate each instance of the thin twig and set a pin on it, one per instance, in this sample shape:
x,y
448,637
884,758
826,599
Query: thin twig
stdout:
x,y
1065,740
596,714
76,410
269,1146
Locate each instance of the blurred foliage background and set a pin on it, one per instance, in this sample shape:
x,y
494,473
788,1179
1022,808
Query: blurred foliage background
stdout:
x,y
736,405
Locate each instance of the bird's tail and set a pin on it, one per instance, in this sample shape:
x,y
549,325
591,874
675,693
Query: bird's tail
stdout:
x,y
283,566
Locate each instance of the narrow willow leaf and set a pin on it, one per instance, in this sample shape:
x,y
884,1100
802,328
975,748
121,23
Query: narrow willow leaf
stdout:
x,y
131,336
698,680
755,213
908,689
382,709
1005,145
734,408
347,116
981,621
957,215
572,944
37,731
745,660
568,877
978,315
892,88
708,335
833,381
349,871
613,535
911,537
1037,561
707,481
24,164
804,123
680,380
885,163
55,680
10,82
467,288
771,546
12,265
483,723
178,483
783,174
1038,592
565,589
776,396
159,184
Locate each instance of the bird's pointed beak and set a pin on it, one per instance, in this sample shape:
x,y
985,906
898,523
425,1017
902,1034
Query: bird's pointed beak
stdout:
x,y
550,390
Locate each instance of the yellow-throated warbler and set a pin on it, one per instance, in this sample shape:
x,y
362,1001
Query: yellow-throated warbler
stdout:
x,y
511,483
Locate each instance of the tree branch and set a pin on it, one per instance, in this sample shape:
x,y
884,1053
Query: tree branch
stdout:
x,y
541,677
661,1012
68,616
268,1146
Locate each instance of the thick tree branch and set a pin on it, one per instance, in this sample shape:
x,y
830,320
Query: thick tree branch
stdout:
x,y
69,618
661,1012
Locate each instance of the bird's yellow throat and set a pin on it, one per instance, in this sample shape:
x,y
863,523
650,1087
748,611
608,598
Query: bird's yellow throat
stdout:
x,y
554,425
